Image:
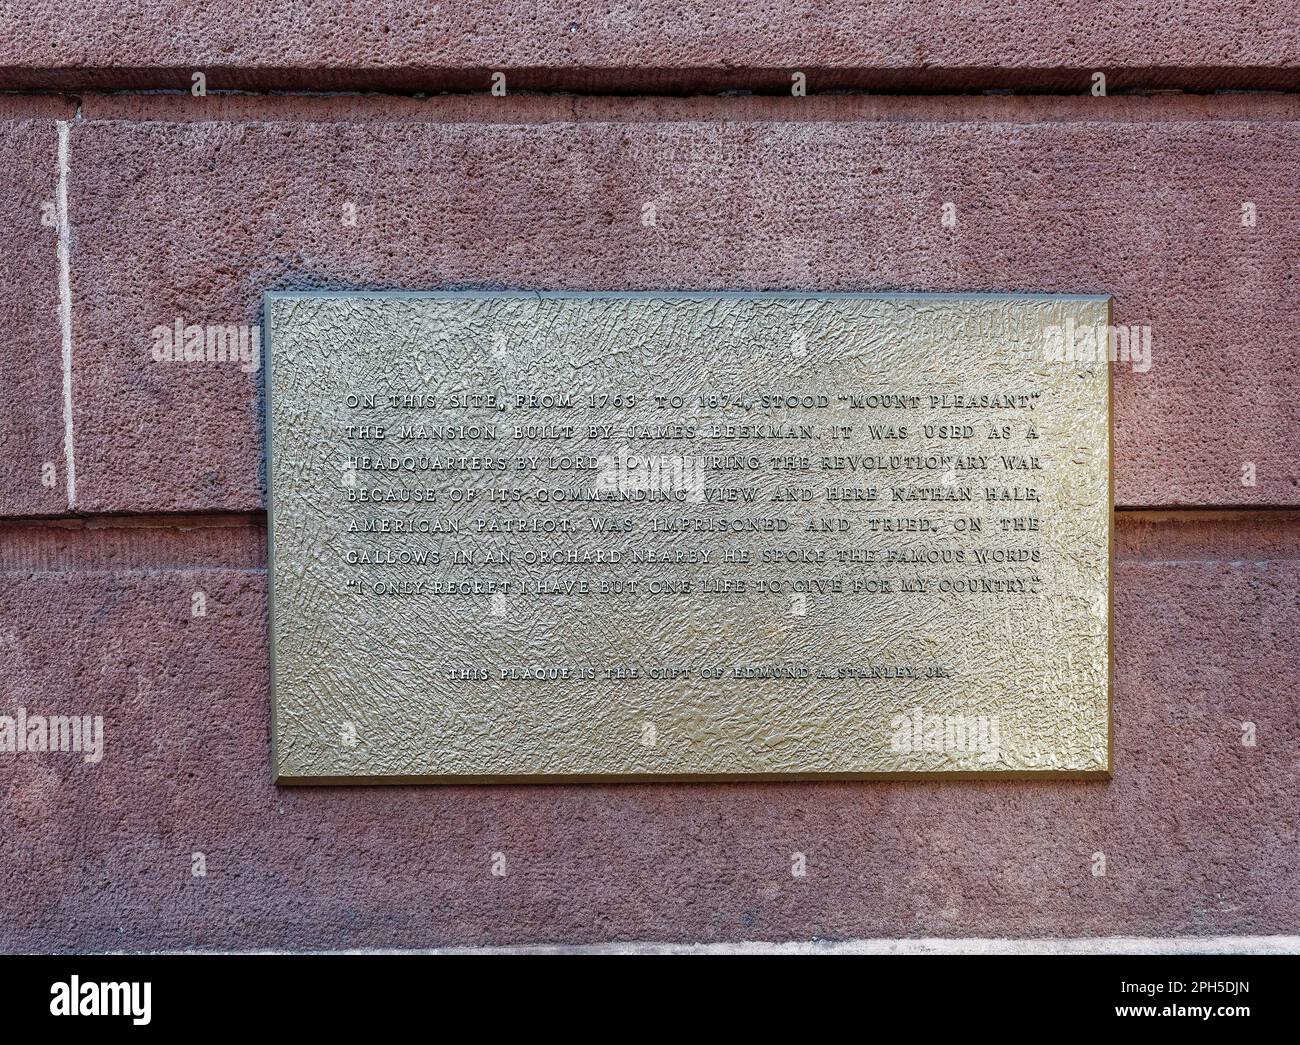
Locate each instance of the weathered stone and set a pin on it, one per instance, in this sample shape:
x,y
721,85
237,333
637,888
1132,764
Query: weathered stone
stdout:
x,y
1198,830
666,45
1149,210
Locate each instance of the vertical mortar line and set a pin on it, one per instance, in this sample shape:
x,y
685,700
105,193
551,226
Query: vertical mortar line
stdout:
x,y
65,313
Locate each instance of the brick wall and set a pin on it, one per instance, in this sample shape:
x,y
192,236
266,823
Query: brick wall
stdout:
x,y
127,485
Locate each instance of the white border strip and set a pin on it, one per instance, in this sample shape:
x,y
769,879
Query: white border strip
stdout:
x,y
921,945
1100,945
65,313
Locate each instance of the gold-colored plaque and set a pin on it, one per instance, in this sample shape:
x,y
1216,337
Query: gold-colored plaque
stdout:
x,y
549,537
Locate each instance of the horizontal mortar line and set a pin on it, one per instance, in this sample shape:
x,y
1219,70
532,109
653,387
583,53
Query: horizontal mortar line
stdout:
x,y
1229,95
712,121
235,517
132,544
526,108
1269,110
132,571
1192,510
1244,944
1140,560
142,520
450,68
1083,94
126,543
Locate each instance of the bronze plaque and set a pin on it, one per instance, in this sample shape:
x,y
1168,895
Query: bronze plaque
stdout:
x,y
580,536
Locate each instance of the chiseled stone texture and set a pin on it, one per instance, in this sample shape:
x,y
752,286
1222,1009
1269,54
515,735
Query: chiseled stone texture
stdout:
x,y
1198,830
194,219
33,480
672,45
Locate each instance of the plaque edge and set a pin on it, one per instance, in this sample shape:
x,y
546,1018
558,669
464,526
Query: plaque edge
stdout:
x,y
280,778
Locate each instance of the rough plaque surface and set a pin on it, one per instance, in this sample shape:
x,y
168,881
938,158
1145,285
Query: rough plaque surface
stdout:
x,y
630,536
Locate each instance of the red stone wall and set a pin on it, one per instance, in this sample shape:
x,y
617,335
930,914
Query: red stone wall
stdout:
x,y
191,207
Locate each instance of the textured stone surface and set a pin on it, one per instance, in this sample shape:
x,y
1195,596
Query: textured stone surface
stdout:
x,y
31,367
1199,831
667,45
192,207
197,219
133,542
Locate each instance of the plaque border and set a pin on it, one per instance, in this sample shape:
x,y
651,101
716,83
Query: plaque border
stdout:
x,y
278,778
